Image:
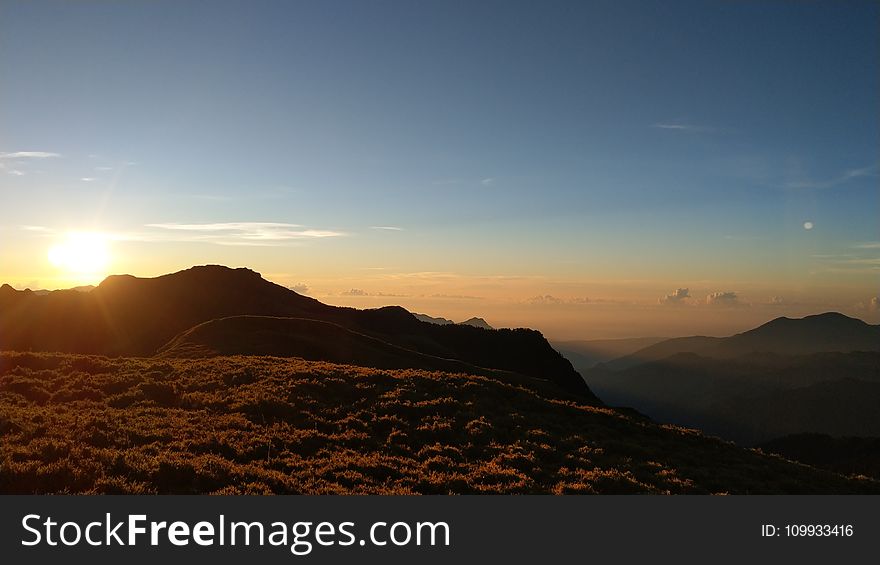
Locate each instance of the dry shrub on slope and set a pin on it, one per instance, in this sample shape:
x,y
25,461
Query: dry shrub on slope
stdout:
x,y
79,424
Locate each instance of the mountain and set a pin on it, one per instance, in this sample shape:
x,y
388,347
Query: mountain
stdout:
x,y
826,332
433,320
477,323
129,316
260,425
308,339
84,288
753,398
586,354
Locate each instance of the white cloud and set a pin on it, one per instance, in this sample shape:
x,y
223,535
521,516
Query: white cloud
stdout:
x,y
232,233
776,300
300,288
728,298
489,181
845,176
682,127
28,155
87,179
16,157
677,297
387,228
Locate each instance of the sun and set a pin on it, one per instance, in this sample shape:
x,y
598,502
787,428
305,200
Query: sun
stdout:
x,y
81,254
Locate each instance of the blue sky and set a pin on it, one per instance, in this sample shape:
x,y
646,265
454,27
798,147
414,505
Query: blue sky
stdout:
x,y
583,143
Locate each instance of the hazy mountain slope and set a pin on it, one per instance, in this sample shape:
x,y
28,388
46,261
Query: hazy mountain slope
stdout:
x,y
126,315
755,397
826,332
661,350
586,354
830,331
79,424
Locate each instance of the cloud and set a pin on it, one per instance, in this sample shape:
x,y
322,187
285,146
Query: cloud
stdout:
x,y
549,299
300,288
386,228
776,300
677,297
682,127
844,177
874,304
18,156
868,245
488,181
238,233
87,179
29,155
361,292
545,299
728,298
354,292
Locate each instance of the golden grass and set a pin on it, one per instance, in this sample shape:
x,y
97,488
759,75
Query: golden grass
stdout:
x,y
260,425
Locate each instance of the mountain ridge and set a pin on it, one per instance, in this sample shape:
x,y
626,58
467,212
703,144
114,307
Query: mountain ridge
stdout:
x,y
133,316
818,333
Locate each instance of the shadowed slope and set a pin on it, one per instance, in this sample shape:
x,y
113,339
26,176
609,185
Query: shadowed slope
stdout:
x,y
312,340
755,397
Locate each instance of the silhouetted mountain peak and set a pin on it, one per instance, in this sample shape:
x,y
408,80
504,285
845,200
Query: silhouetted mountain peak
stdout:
x,y
7,289
432,319
477,323
127,315
825,320
830,331
114,281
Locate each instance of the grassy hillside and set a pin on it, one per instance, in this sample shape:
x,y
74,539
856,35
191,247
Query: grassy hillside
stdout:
x,y
269,425
850,455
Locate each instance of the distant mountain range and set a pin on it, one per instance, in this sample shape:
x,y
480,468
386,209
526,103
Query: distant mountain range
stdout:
x,y
129,316
831,331
476,322
819,374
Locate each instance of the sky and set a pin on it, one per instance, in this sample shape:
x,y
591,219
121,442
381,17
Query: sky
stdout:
x,y
590,169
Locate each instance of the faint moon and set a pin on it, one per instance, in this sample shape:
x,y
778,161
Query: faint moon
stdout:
x,y
808,225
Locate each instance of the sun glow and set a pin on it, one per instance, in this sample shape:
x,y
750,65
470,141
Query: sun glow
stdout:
x,y
84,255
